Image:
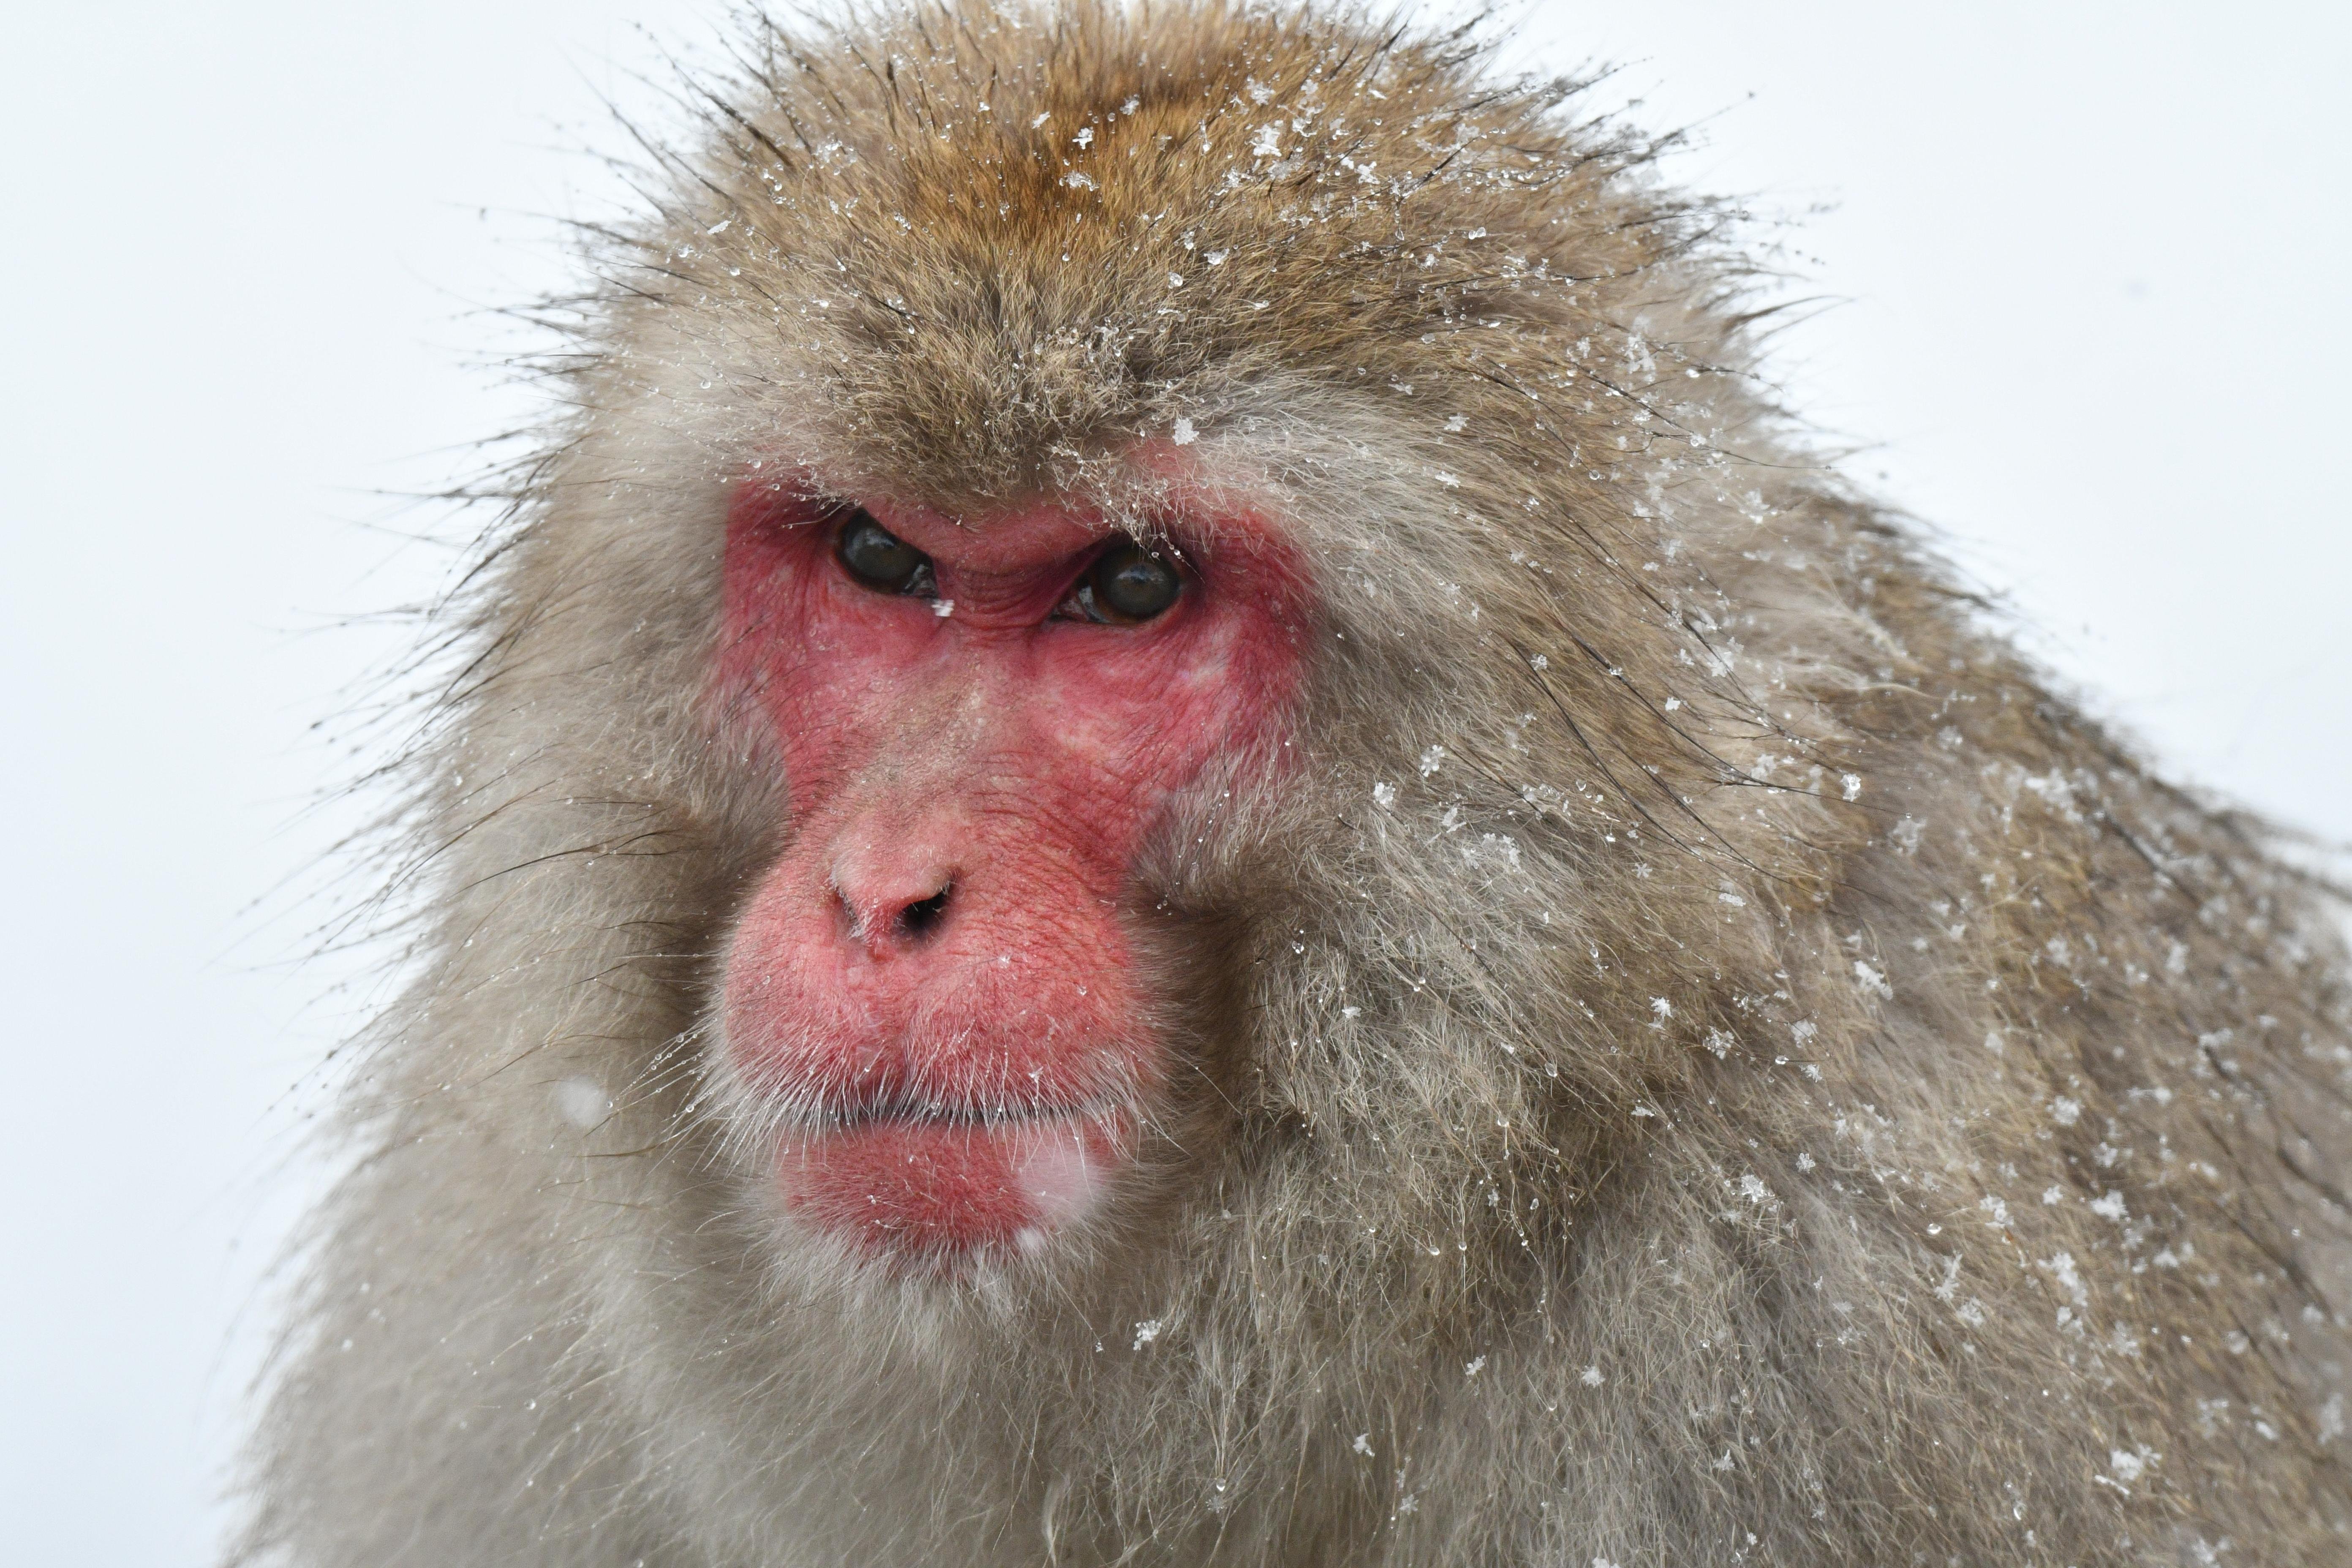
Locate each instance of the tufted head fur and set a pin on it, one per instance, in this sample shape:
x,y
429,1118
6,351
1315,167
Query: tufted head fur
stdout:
x,y
1703,1059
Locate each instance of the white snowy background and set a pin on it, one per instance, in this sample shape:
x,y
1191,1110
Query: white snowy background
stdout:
x,y
2093,261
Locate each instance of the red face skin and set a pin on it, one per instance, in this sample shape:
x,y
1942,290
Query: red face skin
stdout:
x,y
971,1075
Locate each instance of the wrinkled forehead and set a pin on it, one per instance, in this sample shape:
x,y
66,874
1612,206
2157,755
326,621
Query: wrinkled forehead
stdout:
x,y
994,540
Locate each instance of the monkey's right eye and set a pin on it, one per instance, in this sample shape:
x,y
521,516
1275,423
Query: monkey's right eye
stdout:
x,y
879,559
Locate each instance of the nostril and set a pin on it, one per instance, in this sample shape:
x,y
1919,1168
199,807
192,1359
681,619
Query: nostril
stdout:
x,y
920,920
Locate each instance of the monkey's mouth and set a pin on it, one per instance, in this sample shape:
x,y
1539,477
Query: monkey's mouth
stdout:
x,y
901,1109
915,1178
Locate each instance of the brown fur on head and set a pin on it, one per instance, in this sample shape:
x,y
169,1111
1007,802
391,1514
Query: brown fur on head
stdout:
x,y
1703,1059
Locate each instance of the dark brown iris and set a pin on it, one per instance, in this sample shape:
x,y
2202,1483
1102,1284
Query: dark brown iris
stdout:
x,y
879,558
1129,584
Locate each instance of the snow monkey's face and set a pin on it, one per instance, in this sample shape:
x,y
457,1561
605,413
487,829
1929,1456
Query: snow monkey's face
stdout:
x,y
936,1010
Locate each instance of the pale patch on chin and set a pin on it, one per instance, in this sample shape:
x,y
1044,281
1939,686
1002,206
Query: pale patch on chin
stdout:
x,y
940,1191
1062,1178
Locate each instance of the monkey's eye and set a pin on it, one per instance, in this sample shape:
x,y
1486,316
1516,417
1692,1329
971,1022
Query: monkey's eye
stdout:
x,y
880,559
1128,583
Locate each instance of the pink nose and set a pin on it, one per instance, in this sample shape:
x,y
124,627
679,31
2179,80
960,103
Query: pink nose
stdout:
x,y
894,895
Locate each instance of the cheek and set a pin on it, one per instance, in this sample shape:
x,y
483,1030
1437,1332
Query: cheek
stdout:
x,y
1135,722
822,683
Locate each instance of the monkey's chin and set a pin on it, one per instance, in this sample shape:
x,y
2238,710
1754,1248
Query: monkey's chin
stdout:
x,y
939,1193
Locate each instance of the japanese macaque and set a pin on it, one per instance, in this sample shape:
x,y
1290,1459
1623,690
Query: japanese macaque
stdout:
x,y
1175,830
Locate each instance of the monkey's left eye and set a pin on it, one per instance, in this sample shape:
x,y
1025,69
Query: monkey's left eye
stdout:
x,y
880,559
1126,585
